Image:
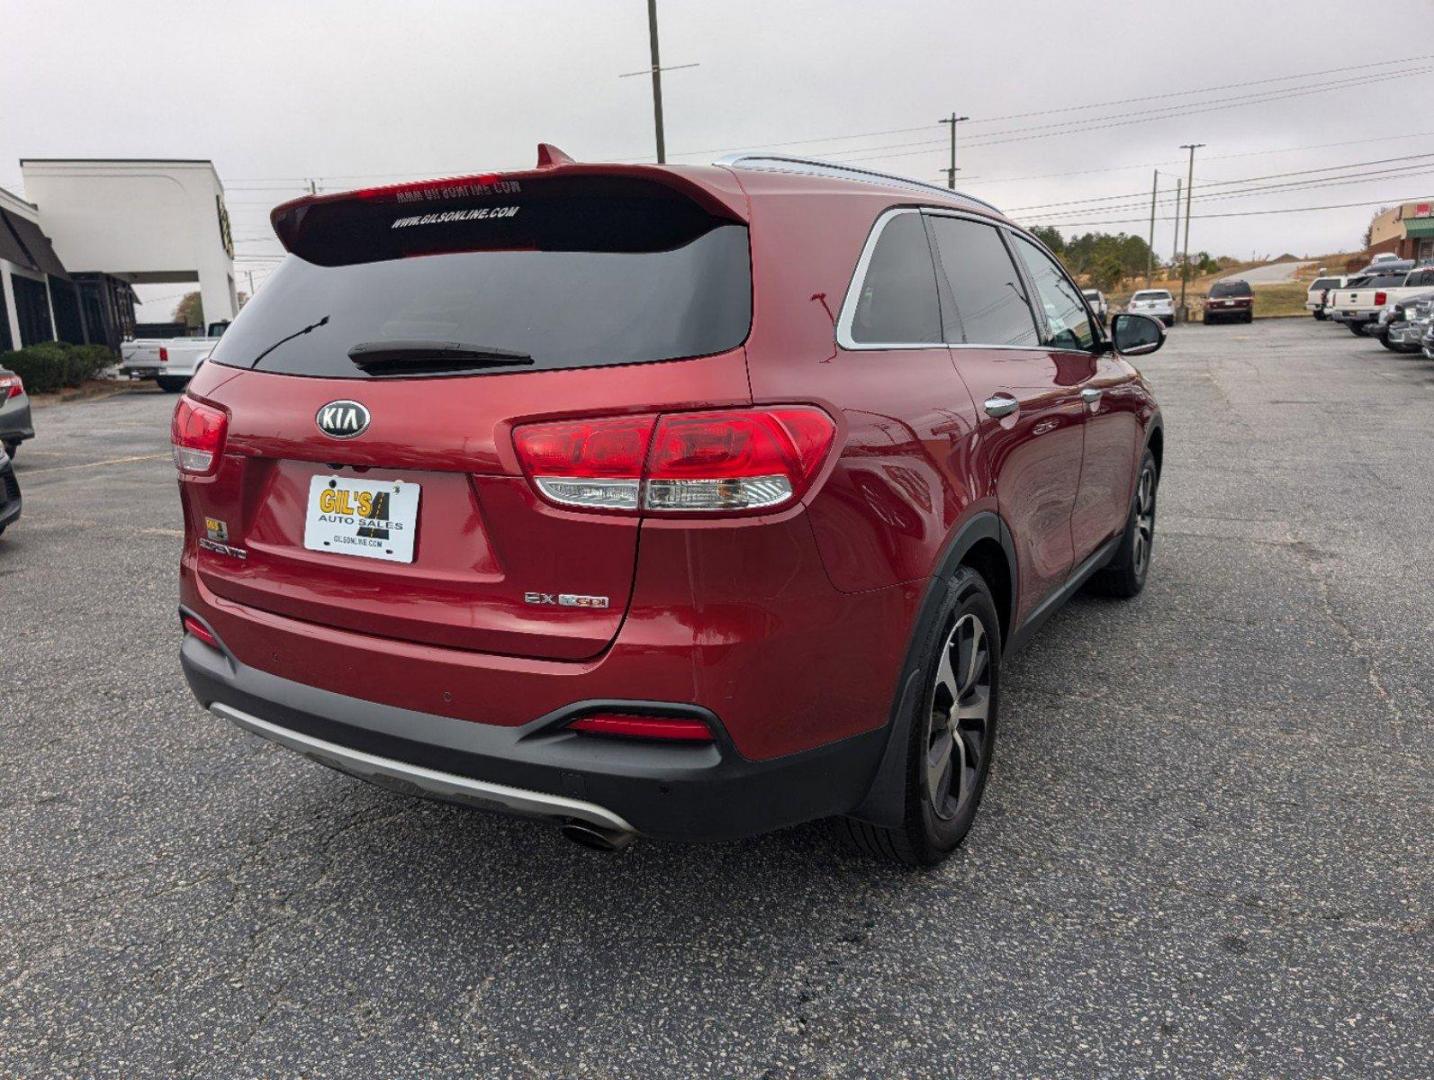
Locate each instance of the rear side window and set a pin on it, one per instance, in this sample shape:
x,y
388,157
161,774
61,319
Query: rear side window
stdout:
x,y
580,273
1067,322
990,301
897,304
1420,277
1230,288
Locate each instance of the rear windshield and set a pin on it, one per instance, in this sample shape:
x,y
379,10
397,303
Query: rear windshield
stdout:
x,y
1384,281
1324,283
1151,294
590,278
1230,288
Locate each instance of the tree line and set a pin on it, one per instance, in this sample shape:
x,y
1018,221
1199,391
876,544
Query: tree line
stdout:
x,y
1104,259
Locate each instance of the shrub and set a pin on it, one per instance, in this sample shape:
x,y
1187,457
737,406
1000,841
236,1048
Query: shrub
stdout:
x,y
53,365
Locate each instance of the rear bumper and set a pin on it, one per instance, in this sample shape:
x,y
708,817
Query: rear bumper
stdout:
x,y
15,422
540,769
1353,316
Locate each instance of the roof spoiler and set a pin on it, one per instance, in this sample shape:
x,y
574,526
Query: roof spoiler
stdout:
x,y
714,190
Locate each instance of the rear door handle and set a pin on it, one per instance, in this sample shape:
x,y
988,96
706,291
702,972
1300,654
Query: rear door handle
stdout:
x,y
1090,396
1000,405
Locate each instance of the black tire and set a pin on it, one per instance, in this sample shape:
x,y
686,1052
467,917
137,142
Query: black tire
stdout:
x,y
172,384
1250,318
1124,576
1356,328
1169,322
1319,316
968,633
1383,337
12,448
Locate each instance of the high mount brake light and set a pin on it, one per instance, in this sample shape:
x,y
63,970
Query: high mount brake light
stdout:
x,y
731,461
197,433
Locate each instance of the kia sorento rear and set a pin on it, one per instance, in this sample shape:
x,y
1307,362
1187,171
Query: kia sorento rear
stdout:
x,y
477,502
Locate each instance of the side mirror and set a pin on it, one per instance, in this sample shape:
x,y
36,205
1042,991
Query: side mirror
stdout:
x,y
1136,335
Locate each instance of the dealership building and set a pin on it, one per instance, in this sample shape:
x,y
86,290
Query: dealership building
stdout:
x,y
1406,230
87,230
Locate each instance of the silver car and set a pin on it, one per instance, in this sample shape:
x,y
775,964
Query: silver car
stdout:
x,y
15,423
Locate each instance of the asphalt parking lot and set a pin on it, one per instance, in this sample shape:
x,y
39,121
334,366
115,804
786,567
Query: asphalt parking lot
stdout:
x,y
1206,848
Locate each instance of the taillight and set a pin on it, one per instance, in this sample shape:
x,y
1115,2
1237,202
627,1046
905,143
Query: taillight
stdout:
x,y
725,462
1380,299
163,355
197,629
10,386
672,729
197,433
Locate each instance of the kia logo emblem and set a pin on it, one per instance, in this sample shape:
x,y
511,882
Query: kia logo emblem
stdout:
x,y
342,419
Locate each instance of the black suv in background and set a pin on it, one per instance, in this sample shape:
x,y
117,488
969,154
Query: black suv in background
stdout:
x,y
1232,301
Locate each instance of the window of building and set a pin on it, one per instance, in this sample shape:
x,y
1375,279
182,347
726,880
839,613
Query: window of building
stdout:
x,y
33,308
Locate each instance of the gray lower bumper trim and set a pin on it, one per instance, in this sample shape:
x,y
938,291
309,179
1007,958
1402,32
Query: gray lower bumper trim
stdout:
x,y
428,782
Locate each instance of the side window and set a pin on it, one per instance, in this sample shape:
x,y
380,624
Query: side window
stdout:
x,y
1068,325
898,304
991,306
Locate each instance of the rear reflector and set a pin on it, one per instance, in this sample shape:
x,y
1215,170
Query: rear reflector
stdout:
x,y
732,461
197,434
197,629
672,729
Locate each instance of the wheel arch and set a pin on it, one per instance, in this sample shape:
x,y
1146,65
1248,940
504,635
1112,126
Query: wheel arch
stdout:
x,y
984,544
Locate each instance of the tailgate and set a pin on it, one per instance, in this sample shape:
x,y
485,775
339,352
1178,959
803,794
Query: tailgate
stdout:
x,y
384,496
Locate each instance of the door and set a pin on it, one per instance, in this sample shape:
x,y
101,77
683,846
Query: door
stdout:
x,y
1032,416
1107,389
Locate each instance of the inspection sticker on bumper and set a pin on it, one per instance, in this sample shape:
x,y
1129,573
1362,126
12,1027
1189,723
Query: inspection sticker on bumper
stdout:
x,y
376,519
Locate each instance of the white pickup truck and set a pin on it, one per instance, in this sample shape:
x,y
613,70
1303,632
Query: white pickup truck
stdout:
x,y
1358,304
171,362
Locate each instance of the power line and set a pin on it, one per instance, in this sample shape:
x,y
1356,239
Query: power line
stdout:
x,y
1223,183
237,182
1045,131
1248,213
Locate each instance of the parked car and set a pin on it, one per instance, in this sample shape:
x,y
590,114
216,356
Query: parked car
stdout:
x,y
1318,294
1358,305
1157,303
1099,306
1401,325
170,362
1427,341
1229,301
9,492
864,428
15,423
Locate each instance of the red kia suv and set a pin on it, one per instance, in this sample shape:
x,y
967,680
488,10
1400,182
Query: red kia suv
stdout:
x,y
690,502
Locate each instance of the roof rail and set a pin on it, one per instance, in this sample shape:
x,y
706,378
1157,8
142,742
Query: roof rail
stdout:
x,y
813,167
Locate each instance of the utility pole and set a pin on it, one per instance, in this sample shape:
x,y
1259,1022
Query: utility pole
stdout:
x,y
953,120
656,71
1189,187
313,187
656,80
1175,239
1150,256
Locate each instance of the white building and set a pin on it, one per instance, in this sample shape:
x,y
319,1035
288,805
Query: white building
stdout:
x,y
113,224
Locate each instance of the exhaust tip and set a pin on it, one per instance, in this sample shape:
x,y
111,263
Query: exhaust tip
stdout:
x,y
595,837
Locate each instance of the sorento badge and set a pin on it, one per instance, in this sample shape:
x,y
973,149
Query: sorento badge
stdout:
x,y
342,419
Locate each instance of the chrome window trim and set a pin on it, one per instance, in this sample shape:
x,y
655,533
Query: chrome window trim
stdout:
x,y
848,308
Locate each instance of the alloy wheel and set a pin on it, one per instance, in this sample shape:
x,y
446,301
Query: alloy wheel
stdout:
x,y
959,725
1144,520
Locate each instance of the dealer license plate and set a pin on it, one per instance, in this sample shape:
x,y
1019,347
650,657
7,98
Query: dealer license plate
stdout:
x,y
375,519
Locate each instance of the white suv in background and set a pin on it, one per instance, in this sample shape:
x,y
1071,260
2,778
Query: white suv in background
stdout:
x,y
1099,306
1157,303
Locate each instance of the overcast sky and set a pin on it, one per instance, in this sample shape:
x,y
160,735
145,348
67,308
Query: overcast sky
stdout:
x,y
352,93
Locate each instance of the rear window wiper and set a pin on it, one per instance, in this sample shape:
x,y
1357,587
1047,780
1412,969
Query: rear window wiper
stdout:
x,y
430,357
